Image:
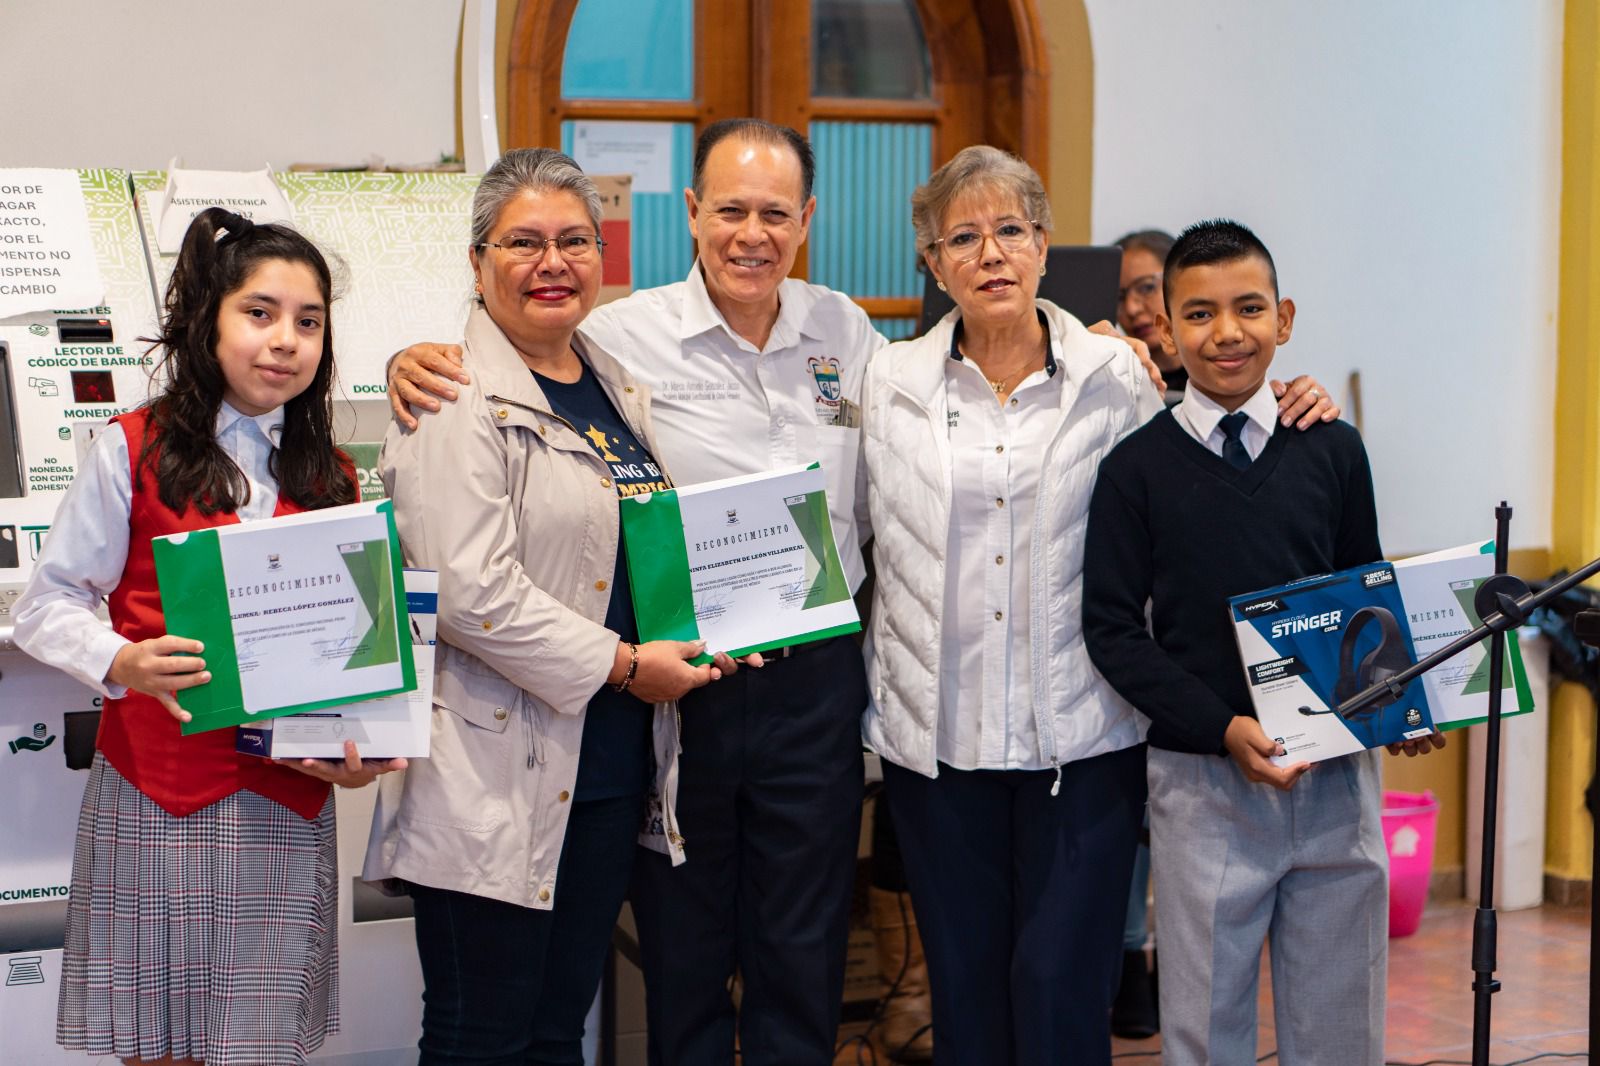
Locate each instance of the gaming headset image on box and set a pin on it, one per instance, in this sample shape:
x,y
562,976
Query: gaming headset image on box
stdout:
x,y
1377,666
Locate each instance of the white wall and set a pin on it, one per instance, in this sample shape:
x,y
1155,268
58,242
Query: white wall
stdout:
x,y
1402,161
226,84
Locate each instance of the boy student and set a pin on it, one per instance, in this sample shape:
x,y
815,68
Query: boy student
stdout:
x,y
1203,502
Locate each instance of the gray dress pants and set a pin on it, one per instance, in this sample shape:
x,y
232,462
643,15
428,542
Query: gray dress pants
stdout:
x,y
1237,864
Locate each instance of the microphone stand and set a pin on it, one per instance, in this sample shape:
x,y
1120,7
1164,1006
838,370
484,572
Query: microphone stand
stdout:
x,y
1502,603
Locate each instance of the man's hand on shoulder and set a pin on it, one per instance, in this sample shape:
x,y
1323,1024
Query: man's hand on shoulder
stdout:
x,y
420,375
1303,403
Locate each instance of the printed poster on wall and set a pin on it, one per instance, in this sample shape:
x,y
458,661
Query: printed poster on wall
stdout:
x,y
47,258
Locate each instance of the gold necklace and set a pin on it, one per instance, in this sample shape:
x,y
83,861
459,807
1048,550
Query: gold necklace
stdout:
x,y
999,384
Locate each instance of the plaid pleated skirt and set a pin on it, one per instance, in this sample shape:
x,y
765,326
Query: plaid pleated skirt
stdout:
x,y
211,937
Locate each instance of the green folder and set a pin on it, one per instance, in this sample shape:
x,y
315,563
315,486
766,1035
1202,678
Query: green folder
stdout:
x,y
296,613
664,557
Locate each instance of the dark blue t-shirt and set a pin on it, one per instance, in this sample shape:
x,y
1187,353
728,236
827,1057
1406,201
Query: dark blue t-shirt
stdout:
x,y
615,759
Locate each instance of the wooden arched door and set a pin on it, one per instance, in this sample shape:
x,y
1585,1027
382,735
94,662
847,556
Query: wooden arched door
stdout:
x,y
886,90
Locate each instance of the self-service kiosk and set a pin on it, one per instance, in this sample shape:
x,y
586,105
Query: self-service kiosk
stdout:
x,y
63,372
398,242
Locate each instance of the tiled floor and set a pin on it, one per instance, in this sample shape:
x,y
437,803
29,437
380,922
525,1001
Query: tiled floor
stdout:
x,y
1543,967
1543,1004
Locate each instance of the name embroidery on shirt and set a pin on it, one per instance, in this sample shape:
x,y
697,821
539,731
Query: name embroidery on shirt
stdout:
x,y
694,391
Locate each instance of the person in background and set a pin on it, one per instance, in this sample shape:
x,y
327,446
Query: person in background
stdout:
x,y
552,725
1139,301
202,918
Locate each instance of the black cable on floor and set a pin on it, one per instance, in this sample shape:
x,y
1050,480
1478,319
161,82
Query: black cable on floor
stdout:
x,y
863,1039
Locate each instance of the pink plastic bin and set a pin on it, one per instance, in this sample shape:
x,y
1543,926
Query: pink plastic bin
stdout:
x,y
1409,822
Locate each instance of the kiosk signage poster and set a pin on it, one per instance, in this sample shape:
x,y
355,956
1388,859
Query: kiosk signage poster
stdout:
x,y
69,367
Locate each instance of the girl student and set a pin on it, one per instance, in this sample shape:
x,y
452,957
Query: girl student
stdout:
x,y
202,916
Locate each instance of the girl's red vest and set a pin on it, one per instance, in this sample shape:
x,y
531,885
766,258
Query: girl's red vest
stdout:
x,y
180,774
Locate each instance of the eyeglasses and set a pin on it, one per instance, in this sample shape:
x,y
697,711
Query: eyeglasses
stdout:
x,y
572,245
1144,288
966,244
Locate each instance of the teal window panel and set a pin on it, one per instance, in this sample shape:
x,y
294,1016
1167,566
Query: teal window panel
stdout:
x,y
869,49
625,50
662,247
896,329
861,237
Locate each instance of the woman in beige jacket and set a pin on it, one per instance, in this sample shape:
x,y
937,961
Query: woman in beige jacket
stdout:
x,y
554,736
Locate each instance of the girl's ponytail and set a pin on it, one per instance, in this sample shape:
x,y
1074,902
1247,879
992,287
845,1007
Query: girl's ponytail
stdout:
x,y
233,226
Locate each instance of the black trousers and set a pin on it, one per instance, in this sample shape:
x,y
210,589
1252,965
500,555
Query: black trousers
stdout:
x,y
505,985
769,805
1020,898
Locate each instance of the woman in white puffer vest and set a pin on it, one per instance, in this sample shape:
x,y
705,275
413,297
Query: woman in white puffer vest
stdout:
x,y
1014,773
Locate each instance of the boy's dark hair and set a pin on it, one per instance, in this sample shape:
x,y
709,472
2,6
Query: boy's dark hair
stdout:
x,y
1214,240
220,251
1158,242
762,132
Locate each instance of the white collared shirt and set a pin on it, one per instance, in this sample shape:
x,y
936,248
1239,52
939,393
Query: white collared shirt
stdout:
x,y
723,408
82,558
986,718
1199,415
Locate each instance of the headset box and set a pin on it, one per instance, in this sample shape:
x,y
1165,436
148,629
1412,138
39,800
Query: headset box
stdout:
x,y
399,726
1310,645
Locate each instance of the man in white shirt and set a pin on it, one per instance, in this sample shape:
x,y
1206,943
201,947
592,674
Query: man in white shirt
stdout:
x,y
749,370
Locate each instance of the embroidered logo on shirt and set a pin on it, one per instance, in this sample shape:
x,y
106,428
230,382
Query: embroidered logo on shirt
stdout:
x,y
826,373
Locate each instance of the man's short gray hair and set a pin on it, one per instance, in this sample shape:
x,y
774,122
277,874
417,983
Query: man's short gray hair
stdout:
x,y
978,167
539,169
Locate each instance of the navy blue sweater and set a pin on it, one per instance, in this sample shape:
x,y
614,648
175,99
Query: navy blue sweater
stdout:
x,y
1174,526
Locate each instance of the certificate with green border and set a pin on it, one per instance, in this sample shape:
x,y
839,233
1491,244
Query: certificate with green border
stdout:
x,y
296,613
745,564
1439,590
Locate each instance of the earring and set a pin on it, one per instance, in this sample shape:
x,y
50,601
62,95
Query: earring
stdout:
x,y
1041,270
941,286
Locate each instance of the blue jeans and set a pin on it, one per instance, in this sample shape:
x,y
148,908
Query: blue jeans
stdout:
x,y
505,985
1134,933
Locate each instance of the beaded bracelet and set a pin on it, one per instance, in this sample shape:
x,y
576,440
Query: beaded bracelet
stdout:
x,y
633,669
